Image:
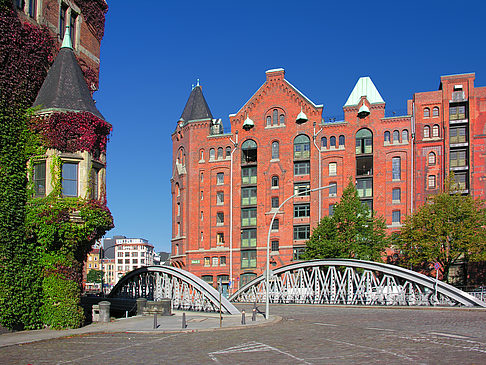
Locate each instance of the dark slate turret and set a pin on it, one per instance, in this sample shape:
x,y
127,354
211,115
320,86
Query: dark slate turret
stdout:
x,y
65,88
196,106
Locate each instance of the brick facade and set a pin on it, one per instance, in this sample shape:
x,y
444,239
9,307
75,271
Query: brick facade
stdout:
x,y
215,175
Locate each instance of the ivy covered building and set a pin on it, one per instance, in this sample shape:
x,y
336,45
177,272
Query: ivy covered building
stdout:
x,y
226,186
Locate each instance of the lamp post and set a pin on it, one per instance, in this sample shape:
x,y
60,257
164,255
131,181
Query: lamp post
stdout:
x,y
267,273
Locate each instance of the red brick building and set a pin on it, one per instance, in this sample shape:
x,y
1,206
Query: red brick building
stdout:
x,y
226,186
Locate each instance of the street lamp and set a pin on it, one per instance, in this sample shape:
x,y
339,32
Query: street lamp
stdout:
x,y
267,274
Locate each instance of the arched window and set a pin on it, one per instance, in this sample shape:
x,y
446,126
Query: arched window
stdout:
x,y
426,131
228,151
396,136
341,140
220,153
177,189
405,135
435,112
275,150
301,147
431,159
282,119
275,117
212,154
269,120
435,131
249,151
324,142
275,181
201,155
364,141
426,113
332,141
387,136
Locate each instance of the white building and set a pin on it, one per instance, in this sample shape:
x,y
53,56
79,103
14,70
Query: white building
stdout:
x,y
130,254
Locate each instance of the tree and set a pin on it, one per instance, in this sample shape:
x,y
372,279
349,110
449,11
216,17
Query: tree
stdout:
x,y
94,276
352,232
447,229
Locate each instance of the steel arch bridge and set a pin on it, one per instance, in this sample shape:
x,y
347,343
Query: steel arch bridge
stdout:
x,y
352,282
187,291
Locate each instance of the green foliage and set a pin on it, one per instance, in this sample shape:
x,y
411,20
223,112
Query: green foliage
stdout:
x,y
448,228
352,232
94,276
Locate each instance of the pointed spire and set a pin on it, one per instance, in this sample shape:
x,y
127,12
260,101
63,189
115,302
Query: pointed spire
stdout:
x,y
66,41
364,87
196,106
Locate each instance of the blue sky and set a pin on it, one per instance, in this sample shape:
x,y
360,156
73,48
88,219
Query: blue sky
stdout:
x,y
150,57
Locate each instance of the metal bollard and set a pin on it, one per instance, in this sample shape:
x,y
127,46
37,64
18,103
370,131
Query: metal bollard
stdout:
x,y
104,311
253,316
184,324
155,321
243,321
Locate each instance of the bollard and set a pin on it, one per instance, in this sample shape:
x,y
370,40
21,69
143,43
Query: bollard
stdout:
x,y
243,321
253,316
95,313
104,311
184,324
155,321
141,304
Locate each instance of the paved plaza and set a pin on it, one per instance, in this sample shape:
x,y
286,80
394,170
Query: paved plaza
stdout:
x,y
295,335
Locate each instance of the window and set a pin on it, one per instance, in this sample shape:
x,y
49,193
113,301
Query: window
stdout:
x,y
95,187
249,152
341,140
275,224
212,154
248,175
220,153
435,131
457,135
435,111
219,197
426,131
331,209
249,196
275,117
222,261
274,181
301,210
387,137
396,137
282,119
72,23
396,216
324,142
219,218
332,168
301,147
332,141
202,177
40,178
364,141
248,238
179,208
215,261
364,165
431,159
69,179
275,202
365,188
302,188
457,112
458,158
269,121
202,213
275,246
19,4
405,135
246,278
426,112
301,232
207,278
62,19
248,217
333,189
396,195
202,195
275,150
228,152
302,168
396,168
220,238
248,259
298,251
207,262
33,8
431,182
460,181
220,178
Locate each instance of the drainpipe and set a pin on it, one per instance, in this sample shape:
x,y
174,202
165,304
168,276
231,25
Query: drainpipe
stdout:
x,y
235,145
320,170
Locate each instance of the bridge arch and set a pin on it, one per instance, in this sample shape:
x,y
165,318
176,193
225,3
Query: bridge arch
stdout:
x,y
354,282
187,291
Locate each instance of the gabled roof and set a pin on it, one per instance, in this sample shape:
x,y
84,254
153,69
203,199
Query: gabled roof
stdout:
x,y
65,87
196,106
364,87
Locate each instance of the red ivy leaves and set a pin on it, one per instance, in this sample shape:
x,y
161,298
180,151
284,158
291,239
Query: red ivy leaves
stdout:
x,y
71,132
94,12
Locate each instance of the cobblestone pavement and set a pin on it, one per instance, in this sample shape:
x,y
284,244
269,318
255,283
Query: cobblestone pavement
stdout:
x,y
306,335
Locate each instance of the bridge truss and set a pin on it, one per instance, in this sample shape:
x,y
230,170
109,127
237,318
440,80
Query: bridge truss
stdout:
x,y
187,291
352,282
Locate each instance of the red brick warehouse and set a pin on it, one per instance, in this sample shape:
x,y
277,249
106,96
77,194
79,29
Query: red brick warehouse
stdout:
x,y
226,186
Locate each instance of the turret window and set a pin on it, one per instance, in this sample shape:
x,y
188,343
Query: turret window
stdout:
x,y
40,178
69,179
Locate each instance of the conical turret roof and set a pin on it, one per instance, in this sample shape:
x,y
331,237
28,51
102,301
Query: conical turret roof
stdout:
x,y
196,106
65,88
